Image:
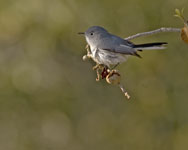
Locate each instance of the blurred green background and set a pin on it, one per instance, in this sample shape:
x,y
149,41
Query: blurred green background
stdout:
x,y
49,99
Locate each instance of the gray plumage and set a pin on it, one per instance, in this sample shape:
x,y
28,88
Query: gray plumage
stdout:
x,y
109,49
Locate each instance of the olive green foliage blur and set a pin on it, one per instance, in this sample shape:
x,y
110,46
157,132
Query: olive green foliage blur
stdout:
x,y
49,98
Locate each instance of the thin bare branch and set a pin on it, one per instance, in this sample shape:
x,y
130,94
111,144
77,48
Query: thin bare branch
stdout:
x,y
163,29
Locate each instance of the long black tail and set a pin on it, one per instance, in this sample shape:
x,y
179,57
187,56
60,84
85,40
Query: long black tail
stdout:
x,y
150,46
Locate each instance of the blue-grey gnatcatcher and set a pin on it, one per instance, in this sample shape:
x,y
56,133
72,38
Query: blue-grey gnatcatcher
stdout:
x,y
108,49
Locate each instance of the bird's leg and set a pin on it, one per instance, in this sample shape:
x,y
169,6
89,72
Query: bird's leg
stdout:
x,y
98,68
98,74
114,66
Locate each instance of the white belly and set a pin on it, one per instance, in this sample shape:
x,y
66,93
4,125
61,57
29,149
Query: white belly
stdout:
x,y
106,57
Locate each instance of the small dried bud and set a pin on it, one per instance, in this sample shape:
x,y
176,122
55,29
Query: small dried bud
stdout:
x,y
184,30
85,57
184,33
127,95
124,91
113,77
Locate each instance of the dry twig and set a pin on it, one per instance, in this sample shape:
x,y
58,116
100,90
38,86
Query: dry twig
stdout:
x,y
163,29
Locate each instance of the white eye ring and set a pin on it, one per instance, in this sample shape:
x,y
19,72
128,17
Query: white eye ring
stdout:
x,y
91,33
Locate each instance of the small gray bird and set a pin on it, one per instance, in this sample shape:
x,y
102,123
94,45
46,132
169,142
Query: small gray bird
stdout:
x,y
109,49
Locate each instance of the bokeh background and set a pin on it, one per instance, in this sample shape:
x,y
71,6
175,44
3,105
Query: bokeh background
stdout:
x,y
49,99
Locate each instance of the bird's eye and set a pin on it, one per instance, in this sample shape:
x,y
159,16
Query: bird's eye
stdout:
x,y
91,33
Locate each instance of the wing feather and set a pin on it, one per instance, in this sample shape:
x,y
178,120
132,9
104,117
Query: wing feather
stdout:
x,y
117,45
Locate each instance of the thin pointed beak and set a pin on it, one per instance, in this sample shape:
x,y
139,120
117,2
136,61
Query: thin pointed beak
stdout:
x,y
81,33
